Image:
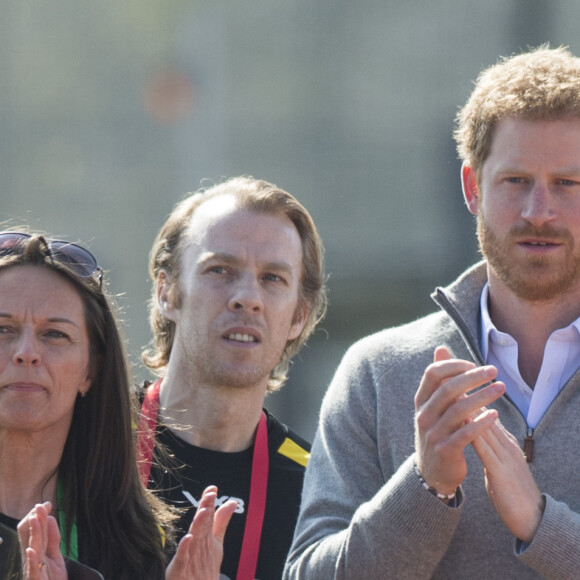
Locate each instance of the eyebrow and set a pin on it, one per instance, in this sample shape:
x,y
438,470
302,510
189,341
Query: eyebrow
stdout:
x,y
568,171
59,319
565,171
64,320
277,265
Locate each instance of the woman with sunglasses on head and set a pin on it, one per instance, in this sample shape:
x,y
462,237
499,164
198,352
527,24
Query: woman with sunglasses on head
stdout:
x,y
67,459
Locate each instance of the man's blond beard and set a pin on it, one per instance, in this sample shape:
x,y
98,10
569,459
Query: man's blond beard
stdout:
x,y
531,281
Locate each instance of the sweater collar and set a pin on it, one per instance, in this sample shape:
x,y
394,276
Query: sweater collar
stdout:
x,y
460,300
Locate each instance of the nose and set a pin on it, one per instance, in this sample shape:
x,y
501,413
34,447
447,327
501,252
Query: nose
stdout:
x,y
26,352
246,295
538,207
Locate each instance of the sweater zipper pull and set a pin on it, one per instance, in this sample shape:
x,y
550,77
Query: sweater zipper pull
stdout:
x,y
529,445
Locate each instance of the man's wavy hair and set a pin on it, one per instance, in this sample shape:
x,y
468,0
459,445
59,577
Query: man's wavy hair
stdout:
x,y
117,518
542,84
166,256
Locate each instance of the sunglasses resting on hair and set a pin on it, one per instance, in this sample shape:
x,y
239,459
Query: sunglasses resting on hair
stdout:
x,y
77,258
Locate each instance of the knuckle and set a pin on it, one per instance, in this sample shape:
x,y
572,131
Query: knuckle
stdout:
x,y
432,441
417,399
422,419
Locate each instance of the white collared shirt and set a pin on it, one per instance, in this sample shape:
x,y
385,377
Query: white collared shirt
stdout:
x,y
561,359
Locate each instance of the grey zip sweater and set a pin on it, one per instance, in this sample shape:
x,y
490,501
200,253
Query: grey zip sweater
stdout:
x,y
364,513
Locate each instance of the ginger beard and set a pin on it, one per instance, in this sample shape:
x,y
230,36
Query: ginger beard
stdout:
x,y
532,277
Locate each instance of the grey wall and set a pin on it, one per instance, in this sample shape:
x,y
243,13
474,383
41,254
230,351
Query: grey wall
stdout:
x,y
111,111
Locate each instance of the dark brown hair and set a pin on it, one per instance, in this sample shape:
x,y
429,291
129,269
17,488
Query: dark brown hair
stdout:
x,y
117,518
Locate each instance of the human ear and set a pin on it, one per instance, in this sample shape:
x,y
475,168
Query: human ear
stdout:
x,y
91,374
470,188
298,323
165,296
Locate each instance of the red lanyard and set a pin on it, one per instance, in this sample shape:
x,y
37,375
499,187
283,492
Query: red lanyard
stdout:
x,y
258,483
146,433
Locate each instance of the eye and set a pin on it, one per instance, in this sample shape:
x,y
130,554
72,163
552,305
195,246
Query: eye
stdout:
x,y
54,333
567,182
216,270
273,278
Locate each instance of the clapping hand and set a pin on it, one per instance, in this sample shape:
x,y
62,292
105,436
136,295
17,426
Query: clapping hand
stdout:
x,y
200,552
509,482
40,545
450,412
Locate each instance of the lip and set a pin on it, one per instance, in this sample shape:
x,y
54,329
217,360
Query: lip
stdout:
x,y
539,245
24,387
242,336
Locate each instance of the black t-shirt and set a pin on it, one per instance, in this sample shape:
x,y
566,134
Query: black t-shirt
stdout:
x,y
195,468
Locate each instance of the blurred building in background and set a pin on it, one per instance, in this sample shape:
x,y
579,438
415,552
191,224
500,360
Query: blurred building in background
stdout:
x,y
110,112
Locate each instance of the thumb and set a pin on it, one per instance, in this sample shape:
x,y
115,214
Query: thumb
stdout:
x,y
441,353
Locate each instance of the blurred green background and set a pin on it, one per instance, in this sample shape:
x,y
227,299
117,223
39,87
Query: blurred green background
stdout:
x,y
110,112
